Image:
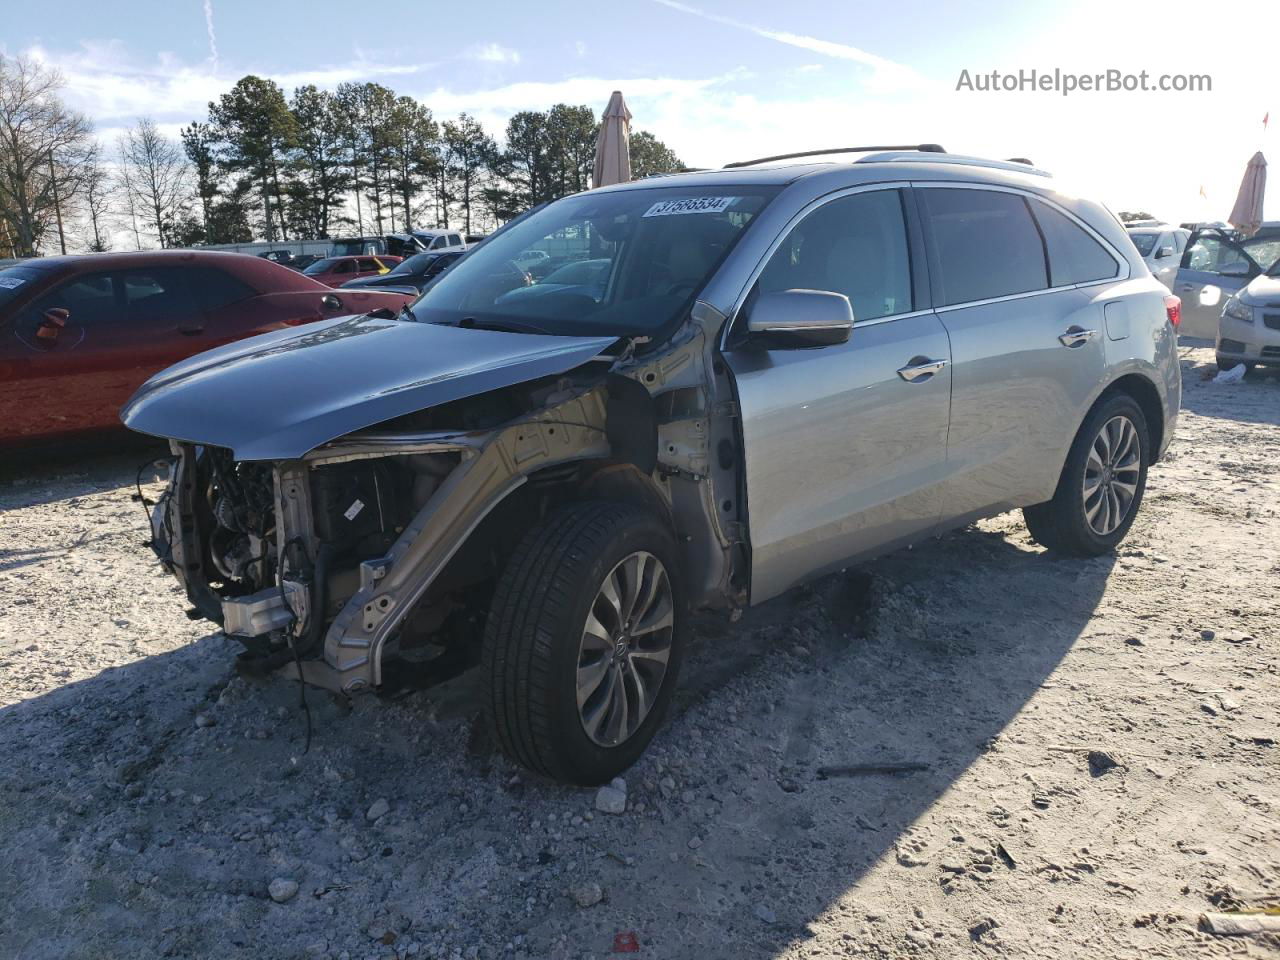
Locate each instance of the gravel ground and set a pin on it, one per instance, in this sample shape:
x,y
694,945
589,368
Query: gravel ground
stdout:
x,y
154,804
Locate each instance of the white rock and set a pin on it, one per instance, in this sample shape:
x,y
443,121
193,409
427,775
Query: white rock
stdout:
x,y
611,800
586,894
765,914
282,889
379,810
204,720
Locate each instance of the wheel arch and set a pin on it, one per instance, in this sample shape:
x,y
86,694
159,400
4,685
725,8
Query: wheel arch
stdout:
x,y
1145,393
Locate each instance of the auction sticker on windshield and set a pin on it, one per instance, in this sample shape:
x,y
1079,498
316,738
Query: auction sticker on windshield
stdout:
x,y
10,283
671,208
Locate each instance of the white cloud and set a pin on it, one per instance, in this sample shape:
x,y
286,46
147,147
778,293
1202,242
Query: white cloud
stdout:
x,y
494,53
580,48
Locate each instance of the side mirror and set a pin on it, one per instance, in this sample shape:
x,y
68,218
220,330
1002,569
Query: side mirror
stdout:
x,y
51,324
801,318
1165,251
331,302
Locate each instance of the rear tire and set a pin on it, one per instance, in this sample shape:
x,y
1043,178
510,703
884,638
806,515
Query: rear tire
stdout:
x,y
1102,482
581,650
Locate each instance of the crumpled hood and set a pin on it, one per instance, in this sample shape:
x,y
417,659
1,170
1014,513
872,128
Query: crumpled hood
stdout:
x,y
279,395
1263,289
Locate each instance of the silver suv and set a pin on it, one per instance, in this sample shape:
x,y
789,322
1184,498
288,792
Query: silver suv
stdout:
x,y
769,371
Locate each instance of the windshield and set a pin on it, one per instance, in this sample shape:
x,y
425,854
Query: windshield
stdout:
x,y
321,266
1145,242
625,262
15,281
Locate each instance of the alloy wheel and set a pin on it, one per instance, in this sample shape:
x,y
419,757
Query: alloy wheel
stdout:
x,y
1111,474
625,648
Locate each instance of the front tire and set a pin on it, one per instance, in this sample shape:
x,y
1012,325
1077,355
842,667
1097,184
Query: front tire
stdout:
x,y
583,641
1102,482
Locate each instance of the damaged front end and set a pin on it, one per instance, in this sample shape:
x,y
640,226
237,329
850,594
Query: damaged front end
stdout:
x,y
366,561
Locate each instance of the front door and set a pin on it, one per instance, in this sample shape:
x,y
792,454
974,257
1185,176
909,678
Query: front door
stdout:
x,y
844,445
1213,267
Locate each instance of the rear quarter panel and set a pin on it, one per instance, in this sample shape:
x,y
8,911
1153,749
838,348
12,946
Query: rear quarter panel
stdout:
x,y
1148,346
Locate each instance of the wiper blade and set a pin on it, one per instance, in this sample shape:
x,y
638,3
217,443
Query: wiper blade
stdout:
x,y
406,311
506,326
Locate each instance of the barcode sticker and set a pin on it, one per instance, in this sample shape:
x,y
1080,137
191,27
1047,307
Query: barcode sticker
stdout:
x,y
353,511
671,208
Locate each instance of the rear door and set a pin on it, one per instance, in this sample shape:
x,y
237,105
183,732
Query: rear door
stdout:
x,y
845,445
1012,280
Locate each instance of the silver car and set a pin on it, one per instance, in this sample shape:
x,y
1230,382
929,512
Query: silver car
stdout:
x,y
1249,331
786,366
1161,246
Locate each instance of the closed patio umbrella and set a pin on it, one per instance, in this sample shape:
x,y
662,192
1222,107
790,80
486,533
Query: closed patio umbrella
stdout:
x,y
613,146
1246,215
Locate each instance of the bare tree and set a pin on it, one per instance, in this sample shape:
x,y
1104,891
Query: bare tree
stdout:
x,y
154,172
43,150
96,200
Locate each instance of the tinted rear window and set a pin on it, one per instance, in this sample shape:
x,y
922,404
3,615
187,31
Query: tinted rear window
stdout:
x,y
985,243
1074,256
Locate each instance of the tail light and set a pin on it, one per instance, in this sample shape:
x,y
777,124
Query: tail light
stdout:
x,y
1173,307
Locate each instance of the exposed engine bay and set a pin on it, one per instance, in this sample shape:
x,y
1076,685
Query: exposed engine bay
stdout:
x,y
368,562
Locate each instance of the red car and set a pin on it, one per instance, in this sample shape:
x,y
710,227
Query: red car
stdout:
x,y
79,334
335,271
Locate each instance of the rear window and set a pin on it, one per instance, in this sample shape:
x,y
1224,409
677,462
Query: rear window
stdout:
x,y
1074,256
985,244
321,266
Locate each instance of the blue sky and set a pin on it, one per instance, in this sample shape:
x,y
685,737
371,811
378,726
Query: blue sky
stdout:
x,y
720,81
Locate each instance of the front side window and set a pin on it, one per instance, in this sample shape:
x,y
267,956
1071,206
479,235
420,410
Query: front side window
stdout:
x,y
89,300
855,245
656,247
1074,256
455,240
1215,254
985,244
438,243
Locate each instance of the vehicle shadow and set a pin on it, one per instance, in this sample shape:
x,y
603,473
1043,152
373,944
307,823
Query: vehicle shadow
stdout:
x,y
119,809
47,475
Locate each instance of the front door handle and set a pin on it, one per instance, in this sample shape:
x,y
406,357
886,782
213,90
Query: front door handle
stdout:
x,y
1076,337
920,369
1186,288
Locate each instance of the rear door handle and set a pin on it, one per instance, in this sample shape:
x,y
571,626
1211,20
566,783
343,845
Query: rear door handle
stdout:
x,y
1076,337
919,369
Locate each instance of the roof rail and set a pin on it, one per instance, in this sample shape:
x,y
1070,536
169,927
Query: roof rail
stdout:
x,y
900,155
919,147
